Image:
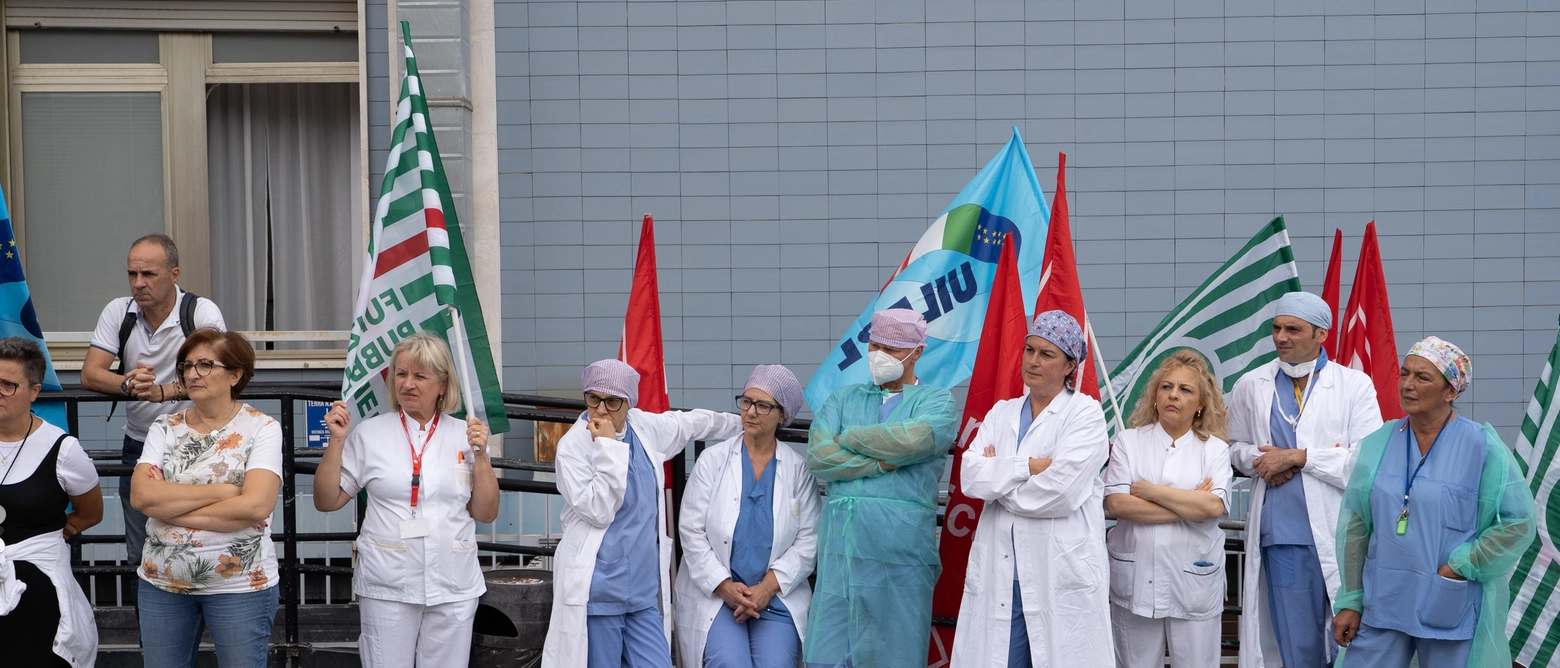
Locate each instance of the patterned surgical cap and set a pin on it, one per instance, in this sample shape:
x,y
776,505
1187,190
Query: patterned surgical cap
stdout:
x,y
613,378
1451,360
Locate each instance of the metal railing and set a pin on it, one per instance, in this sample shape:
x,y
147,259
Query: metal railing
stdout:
x,y
297,460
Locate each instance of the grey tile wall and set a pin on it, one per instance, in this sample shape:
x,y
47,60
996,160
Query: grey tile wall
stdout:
x,y
793,151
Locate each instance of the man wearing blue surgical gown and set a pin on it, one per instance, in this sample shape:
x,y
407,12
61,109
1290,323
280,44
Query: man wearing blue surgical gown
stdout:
x,y
881,448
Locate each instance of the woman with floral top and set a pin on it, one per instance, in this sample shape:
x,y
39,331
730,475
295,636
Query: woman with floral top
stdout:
x,y
207,480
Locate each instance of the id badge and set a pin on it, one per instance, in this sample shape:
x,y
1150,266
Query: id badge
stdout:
x,y
417,527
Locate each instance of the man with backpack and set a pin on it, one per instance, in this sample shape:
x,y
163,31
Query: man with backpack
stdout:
x,y
145,331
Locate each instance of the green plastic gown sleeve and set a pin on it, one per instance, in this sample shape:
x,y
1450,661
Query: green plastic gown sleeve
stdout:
x,y
1505,528
843,445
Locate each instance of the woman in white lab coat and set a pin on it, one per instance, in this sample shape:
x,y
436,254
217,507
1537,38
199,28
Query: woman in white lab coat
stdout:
x,y
749,526
1168,484
1035,591
429,482
612,594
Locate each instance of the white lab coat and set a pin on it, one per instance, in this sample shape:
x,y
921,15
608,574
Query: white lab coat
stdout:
x,y
592,479
1338,413
76,637
710,506
1155,569
1048,529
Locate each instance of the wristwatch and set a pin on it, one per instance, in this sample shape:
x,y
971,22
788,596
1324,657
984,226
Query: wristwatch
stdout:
x,y
124,386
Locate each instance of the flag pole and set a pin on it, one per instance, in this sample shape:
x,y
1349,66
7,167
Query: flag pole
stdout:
x,y
1099,364
459,343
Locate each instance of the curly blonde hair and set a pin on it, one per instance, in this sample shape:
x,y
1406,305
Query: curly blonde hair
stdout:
x,y
1210,419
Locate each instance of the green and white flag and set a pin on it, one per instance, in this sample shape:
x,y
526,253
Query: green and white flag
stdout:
x,y
1228,319
417,275
1531,622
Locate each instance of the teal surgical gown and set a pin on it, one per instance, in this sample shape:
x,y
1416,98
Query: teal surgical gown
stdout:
x,y
877,547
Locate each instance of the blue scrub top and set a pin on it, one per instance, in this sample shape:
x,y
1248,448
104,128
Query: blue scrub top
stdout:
x,y
1402,590
1285,521
754,537
625,579
888,406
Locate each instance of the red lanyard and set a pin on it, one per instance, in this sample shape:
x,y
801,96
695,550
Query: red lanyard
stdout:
x,y
416,454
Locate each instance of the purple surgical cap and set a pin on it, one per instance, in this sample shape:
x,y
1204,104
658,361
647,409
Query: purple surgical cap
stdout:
x,y
899,328
781,384
613,378
1062,330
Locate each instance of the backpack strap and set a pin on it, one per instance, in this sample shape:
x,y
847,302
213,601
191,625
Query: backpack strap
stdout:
x,y
126,326
187,313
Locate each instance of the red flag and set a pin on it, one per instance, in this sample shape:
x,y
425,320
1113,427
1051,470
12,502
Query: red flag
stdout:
x,y
1330,294
1059,288
1368,343
996,377
641,344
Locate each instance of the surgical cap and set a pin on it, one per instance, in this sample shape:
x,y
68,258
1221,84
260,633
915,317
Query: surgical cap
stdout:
x,y
899,328
1062,330
613,378
781,384
1451,360
1305,306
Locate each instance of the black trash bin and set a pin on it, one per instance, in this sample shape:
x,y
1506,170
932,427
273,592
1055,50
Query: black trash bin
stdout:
x,y
511,623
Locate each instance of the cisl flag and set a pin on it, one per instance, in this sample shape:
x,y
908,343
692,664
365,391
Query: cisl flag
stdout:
x,y
1368,343
947,276
996,377
417,271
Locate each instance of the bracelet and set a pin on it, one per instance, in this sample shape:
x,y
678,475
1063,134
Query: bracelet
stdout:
x,y
162,394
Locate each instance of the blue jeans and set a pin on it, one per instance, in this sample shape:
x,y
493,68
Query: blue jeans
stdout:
x,y
135,520
171,624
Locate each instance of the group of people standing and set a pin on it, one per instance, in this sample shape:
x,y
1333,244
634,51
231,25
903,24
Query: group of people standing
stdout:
x,y
1367,544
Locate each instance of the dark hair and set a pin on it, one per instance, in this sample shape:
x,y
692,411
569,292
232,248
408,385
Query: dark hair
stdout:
x,y
27,353
231,349
170,251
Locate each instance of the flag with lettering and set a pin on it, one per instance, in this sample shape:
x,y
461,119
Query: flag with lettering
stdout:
x,y
1228,319
1534,606
417,276
947,276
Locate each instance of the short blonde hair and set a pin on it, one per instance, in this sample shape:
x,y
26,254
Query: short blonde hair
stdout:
x,y
428,351
1212,416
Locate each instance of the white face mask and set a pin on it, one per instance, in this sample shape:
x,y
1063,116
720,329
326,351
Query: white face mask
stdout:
x,y
885,368
1300,370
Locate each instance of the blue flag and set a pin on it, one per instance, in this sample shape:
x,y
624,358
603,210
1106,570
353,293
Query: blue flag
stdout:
x,y
947,276
17,317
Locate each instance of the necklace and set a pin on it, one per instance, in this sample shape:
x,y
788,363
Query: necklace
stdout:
x,y
23,444
209,430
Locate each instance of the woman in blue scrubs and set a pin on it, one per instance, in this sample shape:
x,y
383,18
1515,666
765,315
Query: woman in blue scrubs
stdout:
x,y
1434,519
749,528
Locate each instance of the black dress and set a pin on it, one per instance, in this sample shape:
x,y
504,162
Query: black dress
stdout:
x,y
33,507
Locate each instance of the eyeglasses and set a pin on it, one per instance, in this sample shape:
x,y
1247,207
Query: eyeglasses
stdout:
x,y
614,404
8,388
202,368
763,407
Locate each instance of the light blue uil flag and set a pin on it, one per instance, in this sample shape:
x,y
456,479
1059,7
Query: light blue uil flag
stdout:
x,y
947,276
17,317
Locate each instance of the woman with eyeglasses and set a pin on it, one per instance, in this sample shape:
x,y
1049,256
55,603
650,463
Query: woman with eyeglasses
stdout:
x,y
207,480
429,482
749,526
48,493
611,591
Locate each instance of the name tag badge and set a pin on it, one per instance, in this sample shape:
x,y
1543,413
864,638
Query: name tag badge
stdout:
x,y
416,527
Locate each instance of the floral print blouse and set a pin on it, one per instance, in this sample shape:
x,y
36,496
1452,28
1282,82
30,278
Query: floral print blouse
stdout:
x,y
185,560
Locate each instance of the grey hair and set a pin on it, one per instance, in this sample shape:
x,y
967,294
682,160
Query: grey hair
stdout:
x,y
27,353
170,251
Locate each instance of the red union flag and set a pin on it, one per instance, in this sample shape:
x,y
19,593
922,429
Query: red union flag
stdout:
x,y
417,277
641,346
1330,288
995,377
1368,343
1059,286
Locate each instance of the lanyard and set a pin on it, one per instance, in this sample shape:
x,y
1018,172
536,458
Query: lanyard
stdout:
x,y
417,455
1408,453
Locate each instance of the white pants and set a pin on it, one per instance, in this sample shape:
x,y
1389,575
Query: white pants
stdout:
x,y
1140,641
395,633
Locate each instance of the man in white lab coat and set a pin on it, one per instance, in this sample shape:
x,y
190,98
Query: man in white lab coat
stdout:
x,y
1294,423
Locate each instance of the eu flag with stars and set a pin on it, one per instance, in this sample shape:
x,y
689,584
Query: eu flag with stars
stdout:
x,y
17,317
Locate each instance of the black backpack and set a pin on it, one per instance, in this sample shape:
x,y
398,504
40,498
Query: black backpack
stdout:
x,y
186,323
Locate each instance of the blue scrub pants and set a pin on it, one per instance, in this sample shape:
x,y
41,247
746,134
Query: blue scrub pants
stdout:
x,y
1297,603
1018,640
755,643
634,640
1385,648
